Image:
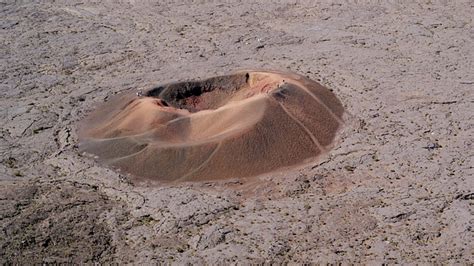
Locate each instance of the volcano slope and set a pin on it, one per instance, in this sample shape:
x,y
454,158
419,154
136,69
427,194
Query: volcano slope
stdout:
x,y
233,126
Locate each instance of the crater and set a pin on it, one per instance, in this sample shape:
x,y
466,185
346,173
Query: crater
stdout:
x,y
233,126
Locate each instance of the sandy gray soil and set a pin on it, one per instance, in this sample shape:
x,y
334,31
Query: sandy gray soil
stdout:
x,y
397,188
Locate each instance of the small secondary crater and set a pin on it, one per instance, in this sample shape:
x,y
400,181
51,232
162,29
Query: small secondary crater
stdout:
x,y
234,126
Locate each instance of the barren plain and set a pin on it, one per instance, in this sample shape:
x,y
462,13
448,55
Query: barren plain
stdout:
x,y
397,187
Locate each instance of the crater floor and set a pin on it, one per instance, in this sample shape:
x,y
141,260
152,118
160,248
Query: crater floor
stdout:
x,y
396,188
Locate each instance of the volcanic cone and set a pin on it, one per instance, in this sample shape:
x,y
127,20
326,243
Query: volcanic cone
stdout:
x,y
233,126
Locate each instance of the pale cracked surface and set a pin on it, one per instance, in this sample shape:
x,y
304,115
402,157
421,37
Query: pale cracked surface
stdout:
x,y
228,127
396,188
